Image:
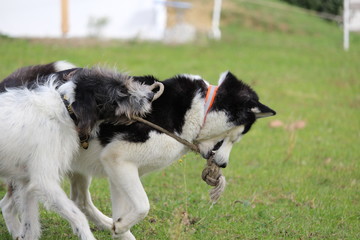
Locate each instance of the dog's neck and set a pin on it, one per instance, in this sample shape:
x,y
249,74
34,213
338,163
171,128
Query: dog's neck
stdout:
x,y
196,116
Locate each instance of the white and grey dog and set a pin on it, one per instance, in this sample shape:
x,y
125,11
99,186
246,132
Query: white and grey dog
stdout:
x,y
213,117
43,121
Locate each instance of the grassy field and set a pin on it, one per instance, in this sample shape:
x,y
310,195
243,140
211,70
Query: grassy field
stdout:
x,y
283,183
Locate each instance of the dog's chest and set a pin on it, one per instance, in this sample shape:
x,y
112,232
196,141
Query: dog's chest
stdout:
x,y
158,152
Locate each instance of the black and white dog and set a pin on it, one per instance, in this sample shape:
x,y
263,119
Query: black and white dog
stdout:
x,y
213,117
41,120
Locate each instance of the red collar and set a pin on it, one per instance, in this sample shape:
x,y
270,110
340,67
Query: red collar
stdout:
x,y
209,99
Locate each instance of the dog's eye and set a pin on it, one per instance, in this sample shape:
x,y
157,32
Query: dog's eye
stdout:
x,y
218,145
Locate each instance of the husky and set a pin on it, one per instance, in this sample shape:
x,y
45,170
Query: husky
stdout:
x,y
212,117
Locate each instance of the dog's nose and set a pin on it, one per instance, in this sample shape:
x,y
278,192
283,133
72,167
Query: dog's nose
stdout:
x,y
222,165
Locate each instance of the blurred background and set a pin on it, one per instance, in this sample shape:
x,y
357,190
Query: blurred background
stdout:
x,y
169,21
293,176
139,19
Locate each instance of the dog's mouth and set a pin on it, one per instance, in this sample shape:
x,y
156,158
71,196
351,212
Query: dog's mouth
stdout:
x,y
213,151
217,145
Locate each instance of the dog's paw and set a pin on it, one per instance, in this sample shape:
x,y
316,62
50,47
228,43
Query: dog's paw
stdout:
x,y
124,236
119,232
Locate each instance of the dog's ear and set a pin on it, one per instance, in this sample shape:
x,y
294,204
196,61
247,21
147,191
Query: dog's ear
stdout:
x,y
226,78
85,109
229,84
262,111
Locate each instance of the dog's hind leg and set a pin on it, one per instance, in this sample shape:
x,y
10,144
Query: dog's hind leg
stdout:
x,y
10,211
21,200
56,199
29,212
80,194
130,203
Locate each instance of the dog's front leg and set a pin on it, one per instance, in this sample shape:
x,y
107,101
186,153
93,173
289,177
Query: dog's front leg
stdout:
x,y
80,194
130,203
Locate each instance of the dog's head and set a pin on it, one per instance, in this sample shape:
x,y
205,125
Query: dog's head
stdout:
x,y
99,94
236,108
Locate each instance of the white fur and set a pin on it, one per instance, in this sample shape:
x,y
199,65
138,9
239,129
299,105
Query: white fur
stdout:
x,y
216,124
38,141
33,111
63,65
191,76
67,90
215,129
255,110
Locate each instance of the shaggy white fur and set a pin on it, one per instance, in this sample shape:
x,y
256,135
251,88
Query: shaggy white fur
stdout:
x,y
37,144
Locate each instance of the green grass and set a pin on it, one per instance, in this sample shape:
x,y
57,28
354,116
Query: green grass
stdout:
x,y
303,184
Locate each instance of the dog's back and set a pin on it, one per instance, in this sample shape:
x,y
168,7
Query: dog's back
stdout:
x,y
27,76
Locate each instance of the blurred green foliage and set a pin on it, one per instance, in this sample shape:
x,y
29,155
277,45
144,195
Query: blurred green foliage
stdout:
x,y
328,6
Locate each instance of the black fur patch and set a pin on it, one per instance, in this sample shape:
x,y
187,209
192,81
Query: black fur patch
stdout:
x,y
33,75
26,75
